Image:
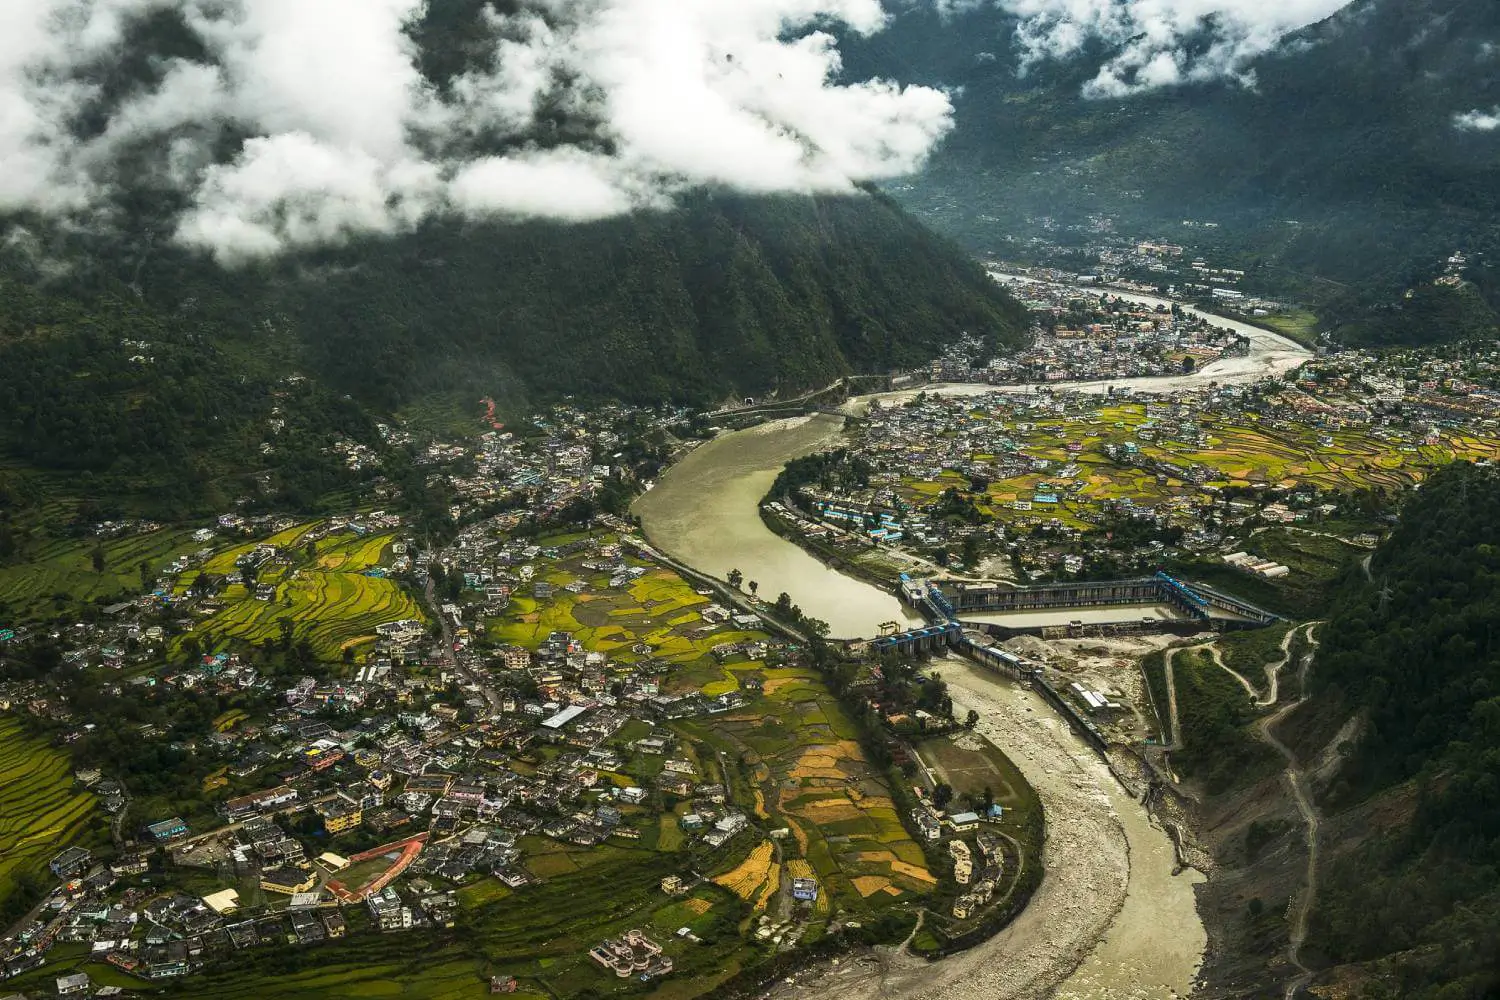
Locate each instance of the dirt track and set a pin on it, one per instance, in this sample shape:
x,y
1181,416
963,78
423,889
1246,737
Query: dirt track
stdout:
x,y
1310,815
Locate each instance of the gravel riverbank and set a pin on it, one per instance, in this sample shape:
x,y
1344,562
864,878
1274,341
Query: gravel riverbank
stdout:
x,y
1109,922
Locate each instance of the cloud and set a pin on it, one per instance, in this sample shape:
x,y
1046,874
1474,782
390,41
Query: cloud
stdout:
x,y
1161,43
308,122
1477,120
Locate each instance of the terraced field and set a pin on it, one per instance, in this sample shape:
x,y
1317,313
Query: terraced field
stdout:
x,y
1247,452
65,567
658,609
40,810
804,769
334,599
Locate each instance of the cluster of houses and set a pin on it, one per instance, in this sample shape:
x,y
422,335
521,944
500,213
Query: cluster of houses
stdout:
x,y
1091,336
532,746
1052,446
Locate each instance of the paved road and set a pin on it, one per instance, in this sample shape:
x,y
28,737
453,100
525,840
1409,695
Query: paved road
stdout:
x,y
475,677
219,831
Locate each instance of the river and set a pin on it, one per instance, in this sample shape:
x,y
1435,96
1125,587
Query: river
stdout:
x,y
704,511
1111,920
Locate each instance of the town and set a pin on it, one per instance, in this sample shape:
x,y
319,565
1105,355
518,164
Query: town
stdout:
x,y
1035,484
332,730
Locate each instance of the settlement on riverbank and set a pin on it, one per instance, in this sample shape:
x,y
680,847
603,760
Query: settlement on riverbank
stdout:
x,y
1111,918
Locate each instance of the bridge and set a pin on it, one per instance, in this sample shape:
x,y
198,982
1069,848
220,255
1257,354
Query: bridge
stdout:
x,y
824,400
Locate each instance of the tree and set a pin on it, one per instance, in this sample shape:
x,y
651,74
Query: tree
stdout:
x,y
942,795
145,570
1189,364
97,558
753,587
971,720
736,578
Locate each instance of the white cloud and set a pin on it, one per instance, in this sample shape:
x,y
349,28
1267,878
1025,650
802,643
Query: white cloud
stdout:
x,y
1477,120
563,184
346,137
1161,43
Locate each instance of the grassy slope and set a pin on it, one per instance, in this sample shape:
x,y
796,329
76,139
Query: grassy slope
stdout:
x,y
40,811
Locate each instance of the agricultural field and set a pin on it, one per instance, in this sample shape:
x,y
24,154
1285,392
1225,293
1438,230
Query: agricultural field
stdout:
x,y
790,758
657,614
1241,452
544,942
971,766
40,810
61,572
795,760
334,594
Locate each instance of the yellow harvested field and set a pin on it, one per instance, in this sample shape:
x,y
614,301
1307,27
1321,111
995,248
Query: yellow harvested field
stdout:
x,y
891,890
799,868
869,885
818,760
833,810
826,761
913,871
879,857
773,883
801,836
698,906
760,805
745,880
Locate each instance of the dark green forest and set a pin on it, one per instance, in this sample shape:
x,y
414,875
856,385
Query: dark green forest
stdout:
x,y
725,296
165,386
1416,651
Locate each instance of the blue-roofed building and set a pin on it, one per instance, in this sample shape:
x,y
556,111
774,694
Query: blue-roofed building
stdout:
x,y
167,829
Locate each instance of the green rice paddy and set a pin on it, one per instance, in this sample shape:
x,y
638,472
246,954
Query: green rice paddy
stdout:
x,y
40,809
330,597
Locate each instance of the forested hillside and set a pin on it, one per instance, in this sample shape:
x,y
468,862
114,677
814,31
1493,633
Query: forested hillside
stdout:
x,y
1342,177
726,296
1415,653
163,390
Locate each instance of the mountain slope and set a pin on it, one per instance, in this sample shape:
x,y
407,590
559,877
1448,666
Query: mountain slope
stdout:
x,y
727,295
154,374
1343,168
1411,884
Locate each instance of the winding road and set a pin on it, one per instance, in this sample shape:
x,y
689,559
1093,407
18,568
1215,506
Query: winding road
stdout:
x,y
1273,670
1302,907
1296,777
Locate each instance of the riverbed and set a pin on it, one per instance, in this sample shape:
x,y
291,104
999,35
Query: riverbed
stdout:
x,y
1110,921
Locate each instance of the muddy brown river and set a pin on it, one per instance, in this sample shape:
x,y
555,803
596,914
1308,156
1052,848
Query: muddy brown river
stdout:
x,y
1111,920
